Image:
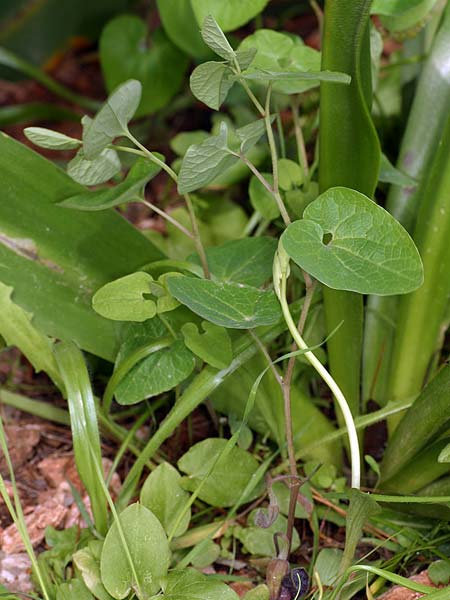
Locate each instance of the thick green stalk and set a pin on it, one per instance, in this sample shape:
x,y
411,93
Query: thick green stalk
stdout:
x,y
422,313
426,120
349,156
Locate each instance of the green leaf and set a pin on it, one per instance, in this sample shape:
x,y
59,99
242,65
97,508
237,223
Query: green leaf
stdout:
x,y
245,58
96,170
16,329
247,261
400,15
164,496
390,174
125,53
215,39
327,565
439,572
348,242
229,477
189,584
285,60
213,346
73,589
148,549
228,304
181,142
229,15
206,161
210,83
124,299
159,372
175,14
87,561
112,119
260,592
261,199
127,191
53,140
290,174
259,541
55,269
250,134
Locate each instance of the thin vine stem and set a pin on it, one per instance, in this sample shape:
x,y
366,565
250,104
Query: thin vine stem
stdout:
x,y
280,280
168,218
300,140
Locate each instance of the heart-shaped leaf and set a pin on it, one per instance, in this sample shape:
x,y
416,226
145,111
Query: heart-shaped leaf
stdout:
x,y
248,261
124,299
214,37
204,162
125,54
230,14
228,479
228,304
164,496
112,119
349,243
210,83
189,584
93,171
148,550
213,346
127,191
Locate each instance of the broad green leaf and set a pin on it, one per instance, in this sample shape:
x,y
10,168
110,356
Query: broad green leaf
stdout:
x,y
112,119
159,372
96,170
164,496
250,134
125,53
125,299
258,541
175,14
230,14
290,174
283,494
439,572
189,584
348,242
247,261
400,15
213,346
261,199
245,58
282,59
128,191
17,329
328,563
390,174
228,304
181,142
149,551
206,161
73,589
229,477
210,83
55,269
214,37
87,561
209,553
53,140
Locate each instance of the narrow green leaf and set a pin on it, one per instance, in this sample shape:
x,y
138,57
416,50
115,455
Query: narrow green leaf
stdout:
x,y
148,550
124,299
228,304
225,483
390,174
129,51
214,37
348,242
128,191
280,76
230,14
164,496
206,161
210,83
96,170
53,140
17,329
213,346
189,584
112,119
